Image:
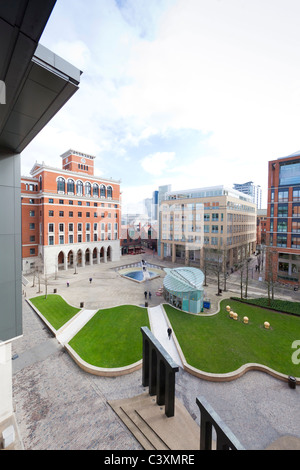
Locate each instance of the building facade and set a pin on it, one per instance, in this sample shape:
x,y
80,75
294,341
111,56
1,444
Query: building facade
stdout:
x,y
215,218
70,217
283,219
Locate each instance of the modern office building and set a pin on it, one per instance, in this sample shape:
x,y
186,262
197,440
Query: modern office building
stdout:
x,y
37,84
283,219
70,217
252,190
216,218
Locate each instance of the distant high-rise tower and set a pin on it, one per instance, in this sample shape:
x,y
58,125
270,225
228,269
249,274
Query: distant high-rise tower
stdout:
x,y
252,190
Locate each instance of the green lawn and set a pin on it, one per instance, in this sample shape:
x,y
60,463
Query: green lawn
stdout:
x,y
54,309
218,344
112,338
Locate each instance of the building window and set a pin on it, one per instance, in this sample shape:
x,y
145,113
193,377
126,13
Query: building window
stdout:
x,y
282,210
31,226
296,194
95,190
88,214
51,240
79,214
32,238
51,228
51,201
31,213
71,227
61,239
296,211
295,226
61,201
32,251
70,213
71,238
87,226
60,185
79,188
79,227
109,191
295,242
282,226
283,195
70,186
61,227
102,190
61,213
51,213
281,240
87,189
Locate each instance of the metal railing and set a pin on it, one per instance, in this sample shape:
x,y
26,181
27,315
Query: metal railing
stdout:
x,y
210,420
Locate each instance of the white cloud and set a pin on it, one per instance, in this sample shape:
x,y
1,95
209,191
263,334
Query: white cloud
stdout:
x,y
157,163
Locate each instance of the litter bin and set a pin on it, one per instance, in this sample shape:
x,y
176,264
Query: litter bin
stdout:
x,y
146,304
54,290
292,382
81,304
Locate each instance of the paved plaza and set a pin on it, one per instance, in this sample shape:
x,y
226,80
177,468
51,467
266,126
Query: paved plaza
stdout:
x,y
59,406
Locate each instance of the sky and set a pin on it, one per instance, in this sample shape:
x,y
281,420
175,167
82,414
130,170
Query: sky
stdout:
x,y
191,93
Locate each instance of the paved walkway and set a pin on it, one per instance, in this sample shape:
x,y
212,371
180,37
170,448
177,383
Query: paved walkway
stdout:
x,y
74,325
159,329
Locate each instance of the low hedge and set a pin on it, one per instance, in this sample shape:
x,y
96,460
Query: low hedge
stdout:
x,y
283,306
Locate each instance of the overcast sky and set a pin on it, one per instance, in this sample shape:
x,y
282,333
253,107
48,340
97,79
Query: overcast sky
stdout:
x,y
190,93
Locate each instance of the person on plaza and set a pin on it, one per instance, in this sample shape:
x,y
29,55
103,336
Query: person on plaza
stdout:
x,y
68,283
149,295
145,294
90,280
169,332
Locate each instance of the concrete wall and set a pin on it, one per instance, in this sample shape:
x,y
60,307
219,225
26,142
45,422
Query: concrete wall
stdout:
x,y
10,247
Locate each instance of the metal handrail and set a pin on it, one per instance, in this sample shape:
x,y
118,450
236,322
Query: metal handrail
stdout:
x,y
209,419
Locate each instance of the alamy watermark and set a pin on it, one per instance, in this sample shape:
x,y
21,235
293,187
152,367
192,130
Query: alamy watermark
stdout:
x,y
2,92
296,354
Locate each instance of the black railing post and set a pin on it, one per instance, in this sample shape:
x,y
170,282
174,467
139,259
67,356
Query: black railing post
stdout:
x,y
209,419
159,372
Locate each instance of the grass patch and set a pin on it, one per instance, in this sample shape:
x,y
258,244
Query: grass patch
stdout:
x,y
112,338
55,309
218,344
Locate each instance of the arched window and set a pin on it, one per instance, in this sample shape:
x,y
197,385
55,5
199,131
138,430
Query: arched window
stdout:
x,y
102,190
60,185
70,186
87,188
79,188
109,191
95,189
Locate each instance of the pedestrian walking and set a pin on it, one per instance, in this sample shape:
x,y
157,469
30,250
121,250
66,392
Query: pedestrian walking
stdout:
x,y
169,332
91,280
68,283
150,295
145,294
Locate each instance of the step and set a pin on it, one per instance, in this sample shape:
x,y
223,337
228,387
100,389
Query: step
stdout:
x,y
153,429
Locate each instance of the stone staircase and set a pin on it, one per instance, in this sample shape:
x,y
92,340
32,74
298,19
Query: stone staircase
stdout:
x,y
153,429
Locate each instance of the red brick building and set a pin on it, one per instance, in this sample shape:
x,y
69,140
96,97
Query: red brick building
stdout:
x,y
70,217
283,221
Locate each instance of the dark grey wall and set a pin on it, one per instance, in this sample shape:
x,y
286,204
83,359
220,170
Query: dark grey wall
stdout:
x,y
10,247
